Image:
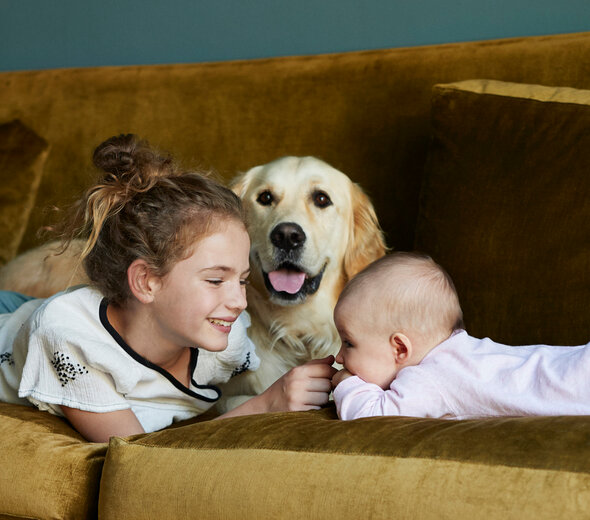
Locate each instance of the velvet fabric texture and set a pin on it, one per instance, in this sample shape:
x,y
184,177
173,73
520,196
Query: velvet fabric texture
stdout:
x,y
505,208
366,113
22,157
310,465
47,470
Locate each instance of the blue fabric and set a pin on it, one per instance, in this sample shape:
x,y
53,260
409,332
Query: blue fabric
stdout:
x,y
10,301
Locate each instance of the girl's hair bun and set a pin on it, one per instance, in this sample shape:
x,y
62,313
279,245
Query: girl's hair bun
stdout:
x,y
132,160
117,155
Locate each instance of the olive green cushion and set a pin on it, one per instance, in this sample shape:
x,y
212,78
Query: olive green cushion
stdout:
x,y
22,157
311,465
47,470
504,208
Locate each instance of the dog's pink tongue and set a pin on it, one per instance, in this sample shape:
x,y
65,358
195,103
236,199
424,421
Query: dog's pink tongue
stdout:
x,y
284,280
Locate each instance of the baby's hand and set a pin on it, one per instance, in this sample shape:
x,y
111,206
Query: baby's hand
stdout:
x,y
340,376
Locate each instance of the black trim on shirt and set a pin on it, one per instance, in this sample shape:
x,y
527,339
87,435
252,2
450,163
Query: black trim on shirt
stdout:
x,y
194,354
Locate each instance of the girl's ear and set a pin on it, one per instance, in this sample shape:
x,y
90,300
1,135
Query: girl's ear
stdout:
x,y
402,347
142,282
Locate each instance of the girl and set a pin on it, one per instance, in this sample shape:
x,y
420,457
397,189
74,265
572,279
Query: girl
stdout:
x,y
162,323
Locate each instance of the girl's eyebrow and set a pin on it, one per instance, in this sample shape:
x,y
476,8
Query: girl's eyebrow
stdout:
x,y
217,268
223,268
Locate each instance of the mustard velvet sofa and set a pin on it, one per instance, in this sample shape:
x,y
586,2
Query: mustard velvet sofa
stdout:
x,y
477,153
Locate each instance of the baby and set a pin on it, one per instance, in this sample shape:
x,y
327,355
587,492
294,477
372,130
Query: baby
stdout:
x,y
405,352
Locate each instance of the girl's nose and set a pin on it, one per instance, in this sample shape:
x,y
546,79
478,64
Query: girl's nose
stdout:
x,y
339,358
237,297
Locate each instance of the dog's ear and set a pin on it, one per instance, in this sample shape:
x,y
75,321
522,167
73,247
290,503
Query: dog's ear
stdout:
x,y
367,242
240,183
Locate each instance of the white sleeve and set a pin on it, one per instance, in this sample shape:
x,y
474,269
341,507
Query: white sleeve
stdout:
x,y
355,398
57,372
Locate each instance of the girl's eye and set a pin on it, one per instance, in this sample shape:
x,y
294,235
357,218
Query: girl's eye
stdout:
x,y
265,198
347,343
244,282
215,281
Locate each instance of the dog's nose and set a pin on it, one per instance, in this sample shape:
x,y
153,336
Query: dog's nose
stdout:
x,y
287,236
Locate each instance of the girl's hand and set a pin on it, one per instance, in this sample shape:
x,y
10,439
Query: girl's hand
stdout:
x,y
306,387
340,376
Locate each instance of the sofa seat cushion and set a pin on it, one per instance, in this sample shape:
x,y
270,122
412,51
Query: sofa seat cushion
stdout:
x,y
309,465
504,208
47,469
22,157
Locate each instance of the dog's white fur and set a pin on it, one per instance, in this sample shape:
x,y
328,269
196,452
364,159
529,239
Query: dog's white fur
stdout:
x,y
342,237
40,272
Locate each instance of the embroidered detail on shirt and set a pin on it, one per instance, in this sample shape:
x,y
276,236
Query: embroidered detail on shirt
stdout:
x,y
243,367
6,357
66,370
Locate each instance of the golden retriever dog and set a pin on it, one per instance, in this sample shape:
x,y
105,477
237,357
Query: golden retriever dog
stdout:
x,y
41,272
311,230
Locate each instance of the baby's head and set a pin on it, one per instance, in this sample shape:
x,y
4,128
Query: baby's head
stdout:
x,y
393,313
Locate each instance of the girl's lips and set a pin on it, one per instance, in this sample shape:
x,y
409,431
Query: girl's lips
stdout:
x,y
222,324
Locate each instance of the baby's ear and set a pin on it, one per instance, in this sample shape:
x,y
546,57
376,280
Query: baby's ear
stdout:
x,y
402,347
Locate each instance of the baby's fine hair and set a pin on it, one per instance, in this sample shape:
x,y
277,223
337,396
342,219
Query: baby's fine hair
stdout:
x,y
412,292
144,206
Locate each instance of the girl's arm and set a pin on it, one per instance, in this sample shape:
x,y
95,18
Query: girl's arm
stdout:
x,y
99,427
306,387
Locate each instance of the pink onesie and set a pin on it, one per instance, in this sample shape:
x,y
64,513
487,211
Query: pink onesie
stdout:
x,y
466,377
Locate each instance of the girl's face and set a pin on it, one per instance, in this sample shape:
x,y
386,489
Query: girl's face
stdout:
x,y
197,302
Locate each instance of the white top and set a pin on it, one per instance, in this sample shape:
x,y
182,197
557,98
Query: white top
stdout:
x,y
466,377
63,351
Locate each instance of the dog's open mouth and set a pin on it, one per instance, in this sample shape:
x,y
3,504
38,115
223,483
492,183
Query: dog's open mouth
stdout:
x,y
288,282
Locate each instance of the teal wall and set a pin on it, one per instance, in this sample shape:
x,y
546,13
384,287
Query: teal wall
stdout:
x,y
36,34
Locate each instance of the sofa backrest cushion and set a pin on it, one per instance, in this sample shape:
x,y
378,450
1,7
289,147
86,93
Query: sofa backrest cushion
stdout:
x,y
366,113
505,207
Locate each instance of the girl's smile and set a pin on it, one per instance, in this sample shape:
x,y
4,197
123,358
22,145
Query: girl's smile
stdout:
x,y
222,324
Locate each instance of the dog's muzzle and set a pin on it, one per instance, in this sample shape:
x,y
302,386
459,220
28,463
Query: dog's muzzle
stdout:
x,y
288,236
289,282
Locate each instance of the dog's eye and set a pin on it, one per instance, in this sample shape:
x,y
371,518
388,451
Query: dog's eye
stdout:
x,y
321,199
265,198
